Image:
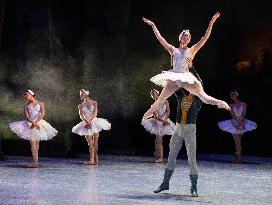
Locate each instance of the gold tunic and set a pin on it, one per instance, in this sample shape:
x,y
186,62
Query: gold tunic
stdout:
x,y
186,103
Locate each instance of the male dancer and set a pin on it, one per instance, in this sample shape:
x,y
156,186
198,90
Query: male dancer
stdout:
x,y
187,111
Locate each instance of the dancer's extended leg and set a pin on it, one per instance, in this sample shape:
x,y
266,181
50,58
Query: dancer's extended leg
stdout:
x,y
166,92
199,91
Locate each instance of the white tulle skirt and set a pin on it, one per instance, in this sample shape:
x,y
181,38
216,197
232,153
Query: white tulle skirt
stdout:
x,y
179,78
22,129
227,126
156,127
98,124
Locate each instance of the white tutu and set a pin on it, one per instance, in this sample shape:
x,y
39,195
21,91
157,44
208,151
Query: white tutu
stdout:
x,y
156,127
22,129
179,78
227,126
98,124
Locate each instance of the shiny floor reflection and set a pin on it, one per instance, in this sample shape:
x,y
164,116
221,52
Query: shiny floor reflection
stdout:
x,y
122,180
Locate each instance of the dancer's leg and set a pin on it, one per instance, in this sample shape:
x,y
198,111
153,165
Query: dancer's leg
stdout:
x,y
199,91
175,146
35,154
190,143
89,139
96,137
159,142
156,152
238,152
167,91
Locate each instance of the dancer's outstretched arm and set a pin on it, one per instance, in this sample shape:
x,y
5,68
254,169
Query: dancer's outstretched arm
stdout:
x,y
163,42
195,48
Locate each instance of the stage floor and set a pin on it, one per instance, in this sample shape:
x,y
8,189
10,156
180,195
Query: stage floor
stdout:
x,y
130,180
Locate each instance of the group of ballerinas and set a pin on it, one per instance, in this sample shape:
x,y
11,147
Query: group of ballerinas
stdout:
x,y
35,129
156,120
160,125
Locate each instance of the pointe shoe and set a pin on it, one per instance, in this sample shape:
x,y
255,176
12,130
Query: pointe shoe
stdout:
x,y
237,161
90,162
33,165
159,161
223,105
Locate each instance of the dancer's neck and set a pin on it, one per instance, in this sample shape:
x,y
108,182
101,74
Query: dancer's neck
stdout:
x,y
183,45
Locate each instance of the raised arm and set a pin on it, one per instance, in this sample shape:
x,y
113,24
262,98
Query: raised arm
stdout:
x,y
163,42
195,48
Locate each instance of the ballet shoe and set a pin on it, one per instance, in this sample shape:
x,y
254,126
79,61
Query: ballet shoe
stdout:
x,y
159,161
90,162
33,165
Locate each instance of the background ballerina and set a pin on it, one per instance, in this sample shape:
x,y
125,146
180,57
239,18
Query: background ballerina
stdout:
x,y
179,76
159,125
238,125
33,128
90,125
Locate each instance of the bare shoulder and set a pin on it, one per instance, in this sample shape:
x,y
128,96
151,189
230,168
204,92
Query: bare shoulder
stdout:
x,y
243,104
172,49
80,105
94,102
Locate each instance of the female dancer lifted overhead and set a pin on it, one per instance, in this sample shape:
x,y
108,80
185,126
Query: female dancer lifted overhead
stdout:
x,y
179,76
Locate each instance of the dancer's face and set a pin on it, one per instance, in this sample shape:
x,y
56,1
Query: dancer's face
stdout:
x,y
233,96
185,38
28,96
83,95
155,95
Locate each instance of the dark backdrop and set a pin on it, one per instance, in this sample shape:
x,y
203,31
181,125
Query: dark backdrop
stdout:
x,y
57,47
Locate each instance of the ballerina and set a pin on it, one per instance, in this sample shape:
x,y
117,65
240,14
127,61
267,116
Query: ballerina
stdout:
x,y
159,125
238,125
33,128
179,76
90,125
